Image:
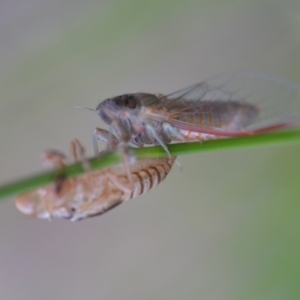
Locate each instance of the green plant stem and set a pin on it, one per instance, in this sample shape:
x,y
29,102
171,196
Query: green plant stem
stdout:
x,y
110,159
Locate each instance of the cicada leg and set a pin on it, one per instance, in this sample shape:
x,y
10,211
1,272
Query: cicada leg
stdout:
x,y
57,160
172,133
53,159
105,136
152,132
77,153
112,144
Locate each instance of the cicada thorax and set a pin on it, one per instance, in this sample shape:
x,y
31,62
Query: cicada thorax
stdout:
x,y
148,134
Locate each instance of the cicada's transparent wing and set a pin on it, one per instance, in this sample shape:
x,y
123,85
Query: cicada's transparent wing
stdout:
x,y
265,103
190,94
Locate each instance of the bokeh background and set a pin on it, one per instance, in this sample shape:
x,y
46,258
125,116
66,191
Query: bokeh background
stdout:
x,y
226,227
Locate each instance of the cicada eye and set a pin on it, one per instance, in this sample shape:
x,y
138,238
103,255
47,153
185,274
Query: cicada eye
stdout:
x,y
118,101
130,102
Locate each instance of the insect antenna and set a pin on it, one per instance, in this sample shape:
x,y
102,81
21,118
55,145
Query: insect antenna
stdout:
x,y
82,107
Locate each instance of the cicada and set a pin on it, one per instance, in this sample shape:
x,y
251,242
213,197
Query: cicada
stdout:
x,y
226,105
94,192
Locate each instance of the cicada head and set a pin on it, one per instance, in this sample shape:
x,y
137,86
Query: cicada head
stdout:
x,y
124,107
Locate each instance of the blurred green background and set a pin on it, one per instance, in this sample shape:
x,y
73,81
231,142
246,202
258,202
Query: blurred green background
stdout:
x,y
226,227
